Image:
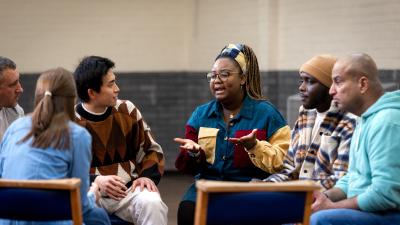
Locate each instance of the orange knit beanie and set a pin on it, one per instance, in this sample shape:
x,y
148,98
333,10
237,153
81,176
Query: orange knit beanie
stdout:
x,y
320,67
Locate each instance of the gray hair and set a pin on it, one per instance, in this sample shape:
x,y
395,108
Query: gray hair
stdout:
x,y
6,63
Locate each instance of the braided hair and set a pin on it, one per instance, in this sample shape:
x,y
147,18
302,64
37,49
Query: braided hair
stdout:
x,y
246,60
253,79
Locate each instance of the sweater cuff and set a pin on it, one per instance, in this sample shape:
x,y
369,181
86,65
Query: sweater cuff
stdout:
x,y
194,154
365,203
92,177
152,173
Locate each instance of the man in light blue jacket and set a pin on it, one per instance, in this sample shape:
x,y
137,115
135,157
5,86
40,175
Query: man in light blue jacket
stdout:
x,y
370,192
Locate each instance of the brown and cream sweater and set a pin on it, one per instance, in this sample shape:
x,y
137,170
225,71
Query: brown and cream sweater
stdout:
x,y
122,143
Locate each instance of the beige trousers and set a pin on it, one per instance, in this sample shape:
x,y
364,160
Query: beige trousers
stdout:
x,y
138,207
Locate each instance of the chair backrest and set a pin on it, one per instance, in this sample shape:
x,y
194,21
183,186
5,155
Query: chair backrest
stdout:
x,y
41,200
258,203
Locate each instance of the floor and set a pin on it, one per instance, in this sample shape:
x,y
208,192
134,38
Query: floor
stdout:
x,y
172,186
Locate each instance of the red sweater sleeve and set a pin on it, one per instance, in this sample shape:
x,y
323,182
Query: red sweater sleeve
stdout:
x,y
187,163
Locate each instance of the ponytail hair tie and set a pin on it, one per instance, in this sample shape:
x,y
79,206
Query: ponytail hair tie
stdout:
x,y
47,93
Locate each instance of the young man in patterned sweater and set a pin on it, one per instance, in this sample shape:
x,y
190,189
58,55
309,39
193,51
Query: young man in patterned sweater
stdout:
x,y
127,163
320,142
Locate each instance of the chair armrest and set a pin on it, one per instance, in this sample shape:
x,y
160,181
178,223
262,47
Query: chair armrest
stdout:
x,y
60,184
229,186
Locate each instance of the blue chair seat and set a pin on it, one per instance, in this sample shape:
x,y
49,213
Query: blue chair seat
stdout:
x,y
41,200
242,203
254,206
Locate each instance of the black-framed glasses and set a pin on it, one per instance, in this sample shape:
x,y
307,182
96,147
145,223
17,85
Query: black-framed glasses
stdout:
x,y
223,76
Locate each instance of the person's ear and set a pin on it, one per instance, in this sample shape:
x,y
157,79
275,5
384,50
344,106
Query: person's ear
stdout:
x,y
243,79
91,93
363,84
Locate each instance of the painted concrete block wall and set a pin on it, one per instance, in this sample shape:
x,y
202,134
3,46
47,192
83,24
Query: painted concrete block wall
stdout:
x,y
340,27
185,35
138,35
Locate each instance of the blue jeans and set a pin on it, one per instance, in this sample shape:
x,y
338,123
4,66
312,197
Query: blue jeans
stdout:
x,y
96,216
354,217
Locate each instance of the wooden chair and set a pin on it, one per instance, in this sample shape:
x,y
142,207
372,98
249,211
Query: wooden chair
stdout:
x,y
41,200
234,203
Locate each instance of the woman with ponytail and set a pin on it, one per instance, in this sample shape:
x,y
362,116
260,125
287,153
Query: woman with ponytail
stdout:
x,y
239,136
48,145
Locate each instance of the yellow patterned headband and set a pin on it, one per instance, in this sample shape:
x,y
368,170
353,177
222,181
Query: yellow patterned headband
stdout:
x,y
235,52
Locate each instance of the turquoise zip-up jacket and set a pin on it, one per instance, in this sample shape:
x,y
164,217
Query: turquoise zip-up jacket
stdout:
x,y
374,168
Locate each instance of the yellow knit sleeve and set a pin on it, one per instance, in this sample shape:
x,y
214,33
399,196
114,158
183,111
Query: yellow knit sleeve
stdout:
x,y
269,156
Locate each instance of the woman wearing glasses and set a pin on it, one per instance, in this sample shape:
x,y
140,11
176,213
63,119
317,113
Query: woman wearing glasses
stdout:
x,y
238,136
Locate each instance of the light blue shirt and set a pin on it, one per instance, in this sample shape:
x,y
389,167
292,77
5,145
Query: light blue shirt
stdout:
x,y
22,161
374,167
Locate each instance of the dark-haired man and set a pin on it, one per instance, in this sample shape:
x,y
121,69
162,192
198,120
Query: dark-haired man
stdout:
x,y
10,90
127,163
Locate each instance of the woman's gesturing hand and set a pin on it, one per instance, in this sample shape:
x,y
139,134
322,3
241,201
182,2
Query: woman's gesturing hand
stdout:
x,y
188,145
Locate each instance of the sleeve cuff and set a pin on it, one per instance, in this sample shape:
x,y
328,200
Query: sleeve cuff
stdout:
x,y
257,148
341,187
91,199
362,202
194,155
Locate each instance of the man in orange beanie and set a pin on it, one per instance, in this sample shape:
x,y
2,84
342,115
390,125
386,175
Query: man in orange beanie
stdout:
x,y
319,147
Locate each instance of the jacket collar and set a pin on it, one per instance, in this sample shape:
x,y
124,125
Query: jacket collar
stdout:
x,y
246,111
